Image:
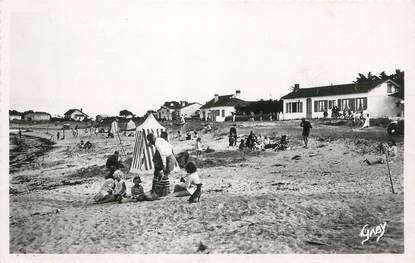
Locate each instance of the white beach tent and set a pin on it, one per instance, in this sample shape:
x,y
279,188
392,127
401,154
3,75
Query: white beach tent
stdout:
x,y
130,126
143,150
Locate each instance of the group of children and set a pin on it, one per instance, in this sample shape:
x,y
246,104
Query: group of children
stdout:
x,y
114,188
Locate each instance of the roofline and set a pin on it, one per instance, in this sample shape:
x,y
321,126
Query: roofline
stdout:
x,y
380,83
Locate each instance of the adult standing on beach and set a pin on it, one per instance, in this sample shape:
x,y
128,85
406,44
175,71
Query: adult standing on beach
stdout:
x,y
232,135
164,162
306,131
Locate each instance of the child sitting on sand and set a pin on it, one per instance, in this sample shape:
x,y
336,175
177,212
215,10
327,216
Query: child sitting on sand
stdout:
x,y
190,185
105,194
120,189
137,191
113,189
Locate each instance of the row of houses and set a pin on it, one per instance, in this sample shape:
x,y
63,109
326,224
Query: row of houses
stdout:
x,y
217,109
380,98
72,114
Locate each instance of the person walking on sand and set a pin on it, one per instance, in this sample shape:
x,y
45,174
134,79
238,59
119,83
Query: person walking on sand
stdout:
x,y
232,136
198,147
164,162
306,131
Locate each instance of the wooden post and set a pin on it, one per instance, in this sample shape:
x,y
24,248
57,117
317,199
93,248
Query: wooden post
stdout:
x,y
389,171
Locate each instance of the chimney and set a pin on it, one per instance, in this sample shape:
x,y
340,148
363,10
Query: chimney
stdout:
x,y
81,109
216,98
237,94
296,87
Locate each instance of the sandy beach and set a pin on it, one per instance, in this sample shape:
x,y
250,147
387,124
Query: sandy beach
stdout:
x,y
253,202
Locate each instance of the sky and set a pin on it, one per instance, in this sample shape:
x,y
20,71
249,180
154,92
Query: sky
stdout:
x,y
106,56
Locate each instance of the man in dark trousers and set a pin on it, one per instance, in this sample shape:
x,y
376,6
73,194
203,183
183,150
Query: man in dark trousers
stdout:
x,y
232,136
113,164
306,131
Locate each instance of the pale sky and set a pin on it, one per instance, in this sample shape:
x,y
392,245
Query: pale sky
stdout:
x,y
106,56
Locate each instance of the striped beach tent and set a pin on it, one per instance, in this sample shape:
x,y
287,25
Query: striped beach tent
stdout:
x,y
143,150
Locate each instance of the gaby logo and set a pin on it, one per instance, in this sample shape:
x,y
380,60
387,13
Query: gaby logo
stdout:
x,y
368,232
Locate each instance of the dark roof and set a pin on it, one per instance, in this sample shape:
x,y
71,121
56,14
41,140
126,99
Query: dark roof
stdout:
x,y
226,100
35,112
69,112
176,105
15,112
334,90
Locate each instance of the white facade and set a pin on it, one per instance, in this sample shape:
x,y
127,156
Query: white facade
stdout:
x,y
76,115
36,116
14,117
165,113
378,103
190,110
217,113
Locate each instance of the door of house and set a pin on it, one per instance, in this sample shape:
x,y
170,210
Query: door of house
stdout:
x,y
308,108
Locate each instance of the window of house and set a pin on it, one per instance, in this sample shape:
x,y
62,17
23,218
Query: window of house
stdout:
x,y
223,113
345,104
332,103
292,107
389,88
361,104
320,105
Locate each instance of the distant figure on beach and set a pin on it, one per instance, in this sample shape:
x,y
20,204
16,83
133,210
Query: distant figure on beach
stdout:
x,y
113,164
188,136
164,162
367,122
20,134
306,131
232,136
198,147
190,185
208,128
252,140
242,145
58,135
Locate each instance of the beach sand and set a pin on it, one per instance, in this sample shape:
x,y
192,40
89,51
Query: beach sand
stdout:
x,y
253,202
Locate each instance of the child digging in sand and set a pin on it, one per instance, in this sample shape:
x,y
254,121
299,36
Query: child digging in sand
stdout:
x,y
190,185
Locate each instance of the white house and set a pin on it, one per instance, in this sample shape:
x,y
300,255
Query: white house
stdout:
x,y
75,114
169,108
220,107
36,116
378,98
189,110
14,115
